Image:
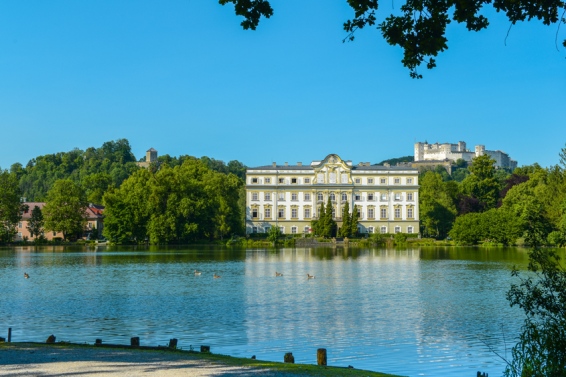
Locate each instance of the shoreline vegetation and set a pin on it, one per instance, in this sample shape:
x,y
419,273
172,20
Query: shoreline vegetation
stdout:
x,y
86,359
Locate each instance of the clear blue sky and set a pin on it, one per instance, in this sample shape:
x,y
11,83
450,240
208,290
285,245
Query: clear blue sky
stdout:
x,y
184,78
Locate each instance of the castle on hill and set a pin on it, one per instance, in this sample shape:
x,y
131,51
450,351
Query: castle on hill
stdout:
x,y
437,153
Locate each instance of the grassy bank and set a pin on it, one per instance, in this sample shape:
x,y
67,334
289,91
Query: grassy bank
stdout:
x,y
82,352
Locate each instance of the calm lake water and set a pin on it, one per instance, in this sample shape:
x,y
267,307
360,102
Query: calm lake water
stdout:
x,y
413,312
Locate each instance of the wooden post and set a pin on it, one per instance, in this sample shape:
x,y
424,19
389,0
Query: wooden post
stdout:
x,y
9,334
321,356
204,348
289,358
135,341
98,342
173,343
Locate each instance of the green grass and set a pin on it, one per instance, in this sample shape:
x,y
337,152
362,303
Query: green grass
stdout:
x,y
298,369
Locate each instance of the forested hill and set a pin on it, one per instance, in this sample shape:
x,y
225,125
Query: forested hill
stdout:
x,y
395,161
96,169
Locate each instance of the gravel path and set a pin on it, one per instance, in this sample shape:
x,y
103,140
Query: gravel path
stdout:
x,y
21,359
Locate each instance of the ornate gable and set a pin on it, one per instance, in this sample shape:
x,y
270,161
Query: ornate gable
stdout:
x,y
332,170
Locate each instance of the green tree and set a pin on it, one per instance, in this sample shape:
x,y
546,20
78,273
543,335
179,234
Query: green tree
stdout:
x,y
541,349
319,225
36,222
65,208
420,27
10,205
437,205
481,184
329,223
273,234
354,221
346,229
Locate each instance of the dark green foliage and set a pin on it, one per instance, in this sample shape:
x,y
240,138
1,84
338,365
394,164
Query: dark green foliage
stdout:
x,y
395,161
177,204
481,184
541,349
10,205
420,27
354,221
273,234
325,226
437,205
346,229
36,222
64,209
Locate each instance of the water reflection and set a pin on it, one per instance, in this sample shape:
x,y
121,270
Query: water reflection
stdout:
x,y
419,311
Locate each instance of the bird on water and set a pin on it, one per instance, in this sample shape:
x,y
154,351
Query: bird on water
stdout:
x,y
310,276
278,273
216,276
26,275
197,272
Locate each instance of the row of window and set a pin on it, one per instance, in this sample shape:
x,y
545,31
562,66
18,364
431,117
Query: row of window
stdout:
x,y
331,179
371,212
307,229
344,196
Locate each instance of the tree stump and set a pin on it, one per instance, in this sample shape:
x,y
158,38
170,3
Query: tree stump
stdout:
x,y
321,356
204,348
173,343
50,339
135,341
289,358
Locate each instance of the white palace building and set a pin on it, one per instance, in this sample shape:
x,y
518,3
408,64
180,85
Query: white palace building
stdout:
x,y
289,196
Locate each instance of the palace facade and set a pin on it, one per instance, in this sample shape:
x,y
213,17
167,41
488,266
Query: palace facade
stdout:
x,y
289,196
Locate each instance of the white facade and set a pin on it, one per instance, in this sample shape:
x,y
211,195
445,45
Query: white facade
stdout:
x,y
453,152
289,196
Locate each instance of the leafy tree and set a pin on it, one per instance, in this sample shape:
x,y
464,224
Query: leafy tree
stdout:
x,y
36,222
319,226
10,205
437,205
354,221
273,234
541,349
346,229
468,229
330,223
481,184
420,27
65,208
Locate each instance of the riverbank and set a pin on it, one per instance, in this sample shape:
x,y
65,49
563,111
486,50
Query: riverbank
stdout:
x,y
40,359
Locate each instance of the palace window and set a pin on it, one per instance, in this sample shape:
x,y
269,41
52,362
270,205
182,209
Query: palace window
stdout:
x,y
383,229
410,196
254,213
267,180
294,213
254,196
370,229
357,180
410,230
344,196
384,213
294,180
397,213
397,181
307,213
371,197
397,229
357,197
370,213
282,229
319,197
344,178
281,180
254,229
282,196
268,213
281,213
410,213
307,229
397,196
294,230
320,177
409,181
370,181
332,196
294,196
307,197
383,197
255,180
307,180
383,181
267,196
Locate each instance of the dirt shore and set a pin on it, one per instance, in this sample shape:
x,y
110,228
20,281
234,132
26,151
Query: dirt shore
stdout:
x,y
30,359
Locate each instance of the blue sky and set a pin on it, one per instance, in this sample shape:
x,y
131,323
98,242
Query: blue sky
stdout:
x,y
182,76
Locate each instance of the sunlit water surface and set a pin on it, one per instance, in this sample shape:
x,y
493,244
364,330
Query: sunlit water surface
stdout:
x,y
413,312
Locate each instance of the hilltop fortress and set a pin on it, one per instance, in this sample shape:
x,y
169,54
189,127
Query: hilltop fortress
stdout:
x,y
428,153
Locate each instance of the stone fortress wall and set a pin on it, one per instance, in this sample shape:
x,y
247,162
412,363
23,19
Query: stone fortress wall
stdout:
x,y
453,152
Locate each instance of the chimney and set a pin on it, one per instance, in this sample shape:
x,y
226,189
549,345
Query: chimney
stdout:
x,y
275,164
286,164
299,164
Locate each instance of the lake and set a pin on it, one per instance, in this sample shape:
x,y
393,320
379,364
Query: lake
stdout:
x,y
414,312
